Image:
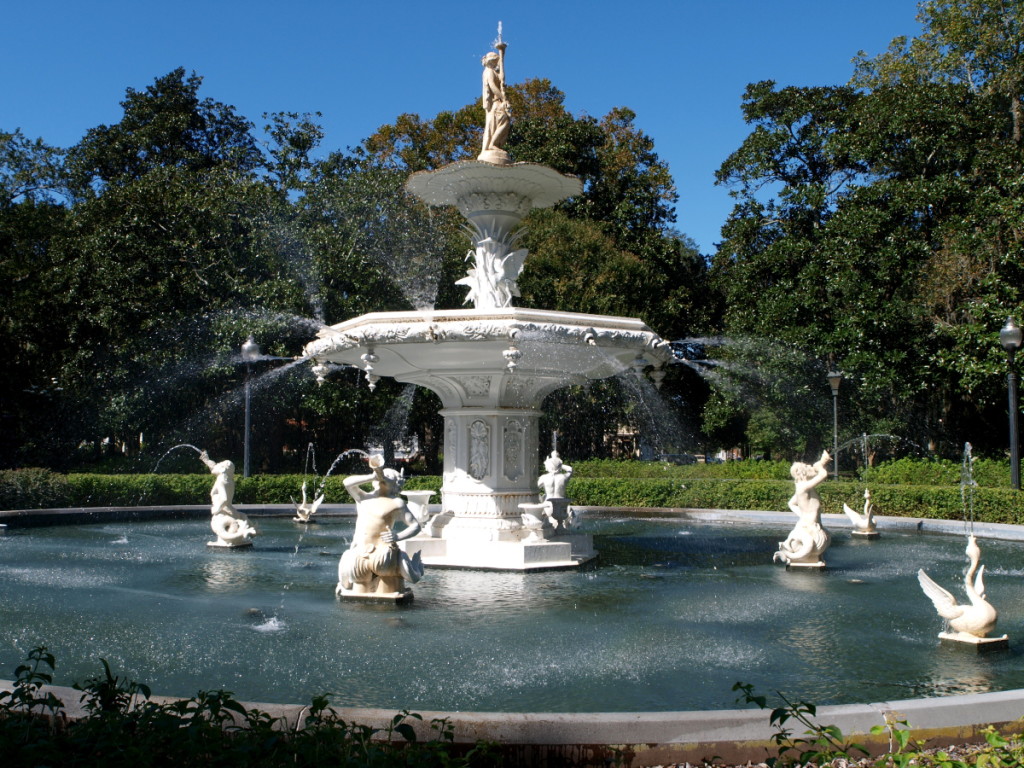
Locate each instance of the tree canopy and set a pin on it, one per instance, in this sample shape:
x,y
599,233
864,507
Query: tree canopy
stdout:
x,y
138,260
876,227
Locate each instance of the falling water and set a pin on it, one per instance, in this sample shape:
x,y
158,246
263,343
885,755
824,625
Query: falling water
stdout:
x,y
653,416
967,486
393,429
169,451
337,460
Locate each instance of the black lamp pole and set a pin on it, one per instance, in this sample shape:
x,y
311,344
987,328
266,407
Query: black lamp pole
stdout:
x,y
1010,336
834,377
250,352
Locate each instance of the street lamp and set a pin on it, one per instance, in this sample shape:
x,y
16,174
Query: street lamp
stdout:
x,y
834,377
1010,337
250,353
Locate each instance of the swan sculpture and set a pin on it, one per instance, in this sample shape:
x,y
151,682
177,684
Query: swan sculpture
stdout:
x,y
863,524
970,623
304,511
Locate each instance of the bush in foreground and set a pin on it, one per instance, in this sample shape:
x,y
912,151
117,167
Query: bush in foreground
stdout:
x,y
123,727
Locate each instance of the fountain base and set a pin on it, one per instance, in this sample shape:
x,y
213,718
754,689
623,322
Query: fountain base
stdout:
x,y
228,544
404,596
563,552
819,564
980,643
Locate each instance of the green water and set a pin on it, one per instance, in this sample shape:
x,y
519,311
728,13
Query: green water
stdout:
x,y
671,615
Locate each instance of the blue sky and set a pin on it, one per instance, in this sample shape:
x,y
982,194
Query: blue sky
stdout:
x,y
681,65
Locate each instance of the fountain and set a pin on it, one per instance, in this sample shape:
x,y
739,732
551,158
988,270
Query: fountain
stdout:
x,y
863,523
808,540
374,566
492,365
551,642
305,509
971,623
232,527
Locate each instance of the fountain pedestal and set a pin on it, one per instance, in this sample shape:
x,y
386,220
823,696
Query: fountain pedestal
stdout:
x,y
492,366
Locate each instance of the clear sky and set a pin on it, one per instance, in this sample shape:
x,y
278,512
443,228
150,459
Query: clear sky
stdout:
x,y
681,65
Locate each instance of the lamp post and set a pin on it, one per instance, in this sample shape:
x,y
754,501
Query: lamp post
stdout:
x,y
1010,337
250,353
834,377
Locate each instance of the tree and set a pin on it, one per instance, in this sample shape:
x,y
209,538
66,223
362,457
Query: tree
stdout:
x,y
164,126
876,229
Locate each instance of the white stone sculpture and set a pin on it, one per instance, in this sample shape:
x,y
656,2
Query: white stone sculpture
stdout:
x,y
374,566
807,541
536,519
552,483
496,106
863,523
305,510
419,505
231,526
969,623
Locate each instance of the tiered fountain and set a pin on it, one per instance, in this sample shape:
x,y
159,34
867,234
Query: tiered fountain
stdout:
x,y
492,365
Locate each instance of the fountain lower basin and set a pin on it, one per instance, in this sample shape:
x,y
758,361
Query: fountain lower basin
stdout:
x,y
673,614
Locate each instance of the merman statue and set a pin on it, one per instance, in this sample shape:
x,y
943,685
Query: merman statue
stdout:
x,y
553,483
374,566
808,540
231,526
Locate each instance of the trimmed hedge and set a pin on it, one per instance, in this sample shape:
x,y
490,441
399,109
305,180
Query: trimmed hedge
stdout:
x,y
590,486
989,473
733,470
33,488
40,488
993,505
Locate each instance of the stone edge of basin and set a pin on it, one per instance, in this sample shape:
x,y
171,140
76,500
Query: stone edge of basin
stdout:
x,y
650,738
19,518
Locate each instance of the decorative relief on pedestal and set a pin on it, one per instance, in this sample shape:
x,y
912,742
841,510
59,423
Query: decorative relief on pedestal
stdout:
x,y
451,444
486,506
477,386
471,202
514,449
479,449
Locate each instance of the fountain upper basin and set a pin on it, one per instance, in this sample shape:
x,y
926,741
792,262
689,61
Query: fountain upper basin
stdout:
x,y
462,355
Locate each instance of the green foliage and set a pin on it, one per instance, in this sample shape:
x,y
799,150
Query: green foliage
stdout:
x,y
904,488
878,229
33,488
123,727
110,694
733,470
987,473
818,744
39,488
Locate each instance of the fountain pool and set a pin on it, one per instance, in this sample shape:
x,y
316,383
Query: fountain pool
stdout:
x,y
675,611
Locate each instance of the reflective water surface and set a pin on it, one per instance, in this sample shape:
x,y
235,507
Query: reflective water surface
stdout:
x,y
671,615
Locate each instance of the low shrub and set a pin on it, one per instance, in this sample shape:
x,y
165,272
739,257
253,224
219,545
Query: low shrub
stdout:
x,y
649,484
987,473
32,488
123,727
732,470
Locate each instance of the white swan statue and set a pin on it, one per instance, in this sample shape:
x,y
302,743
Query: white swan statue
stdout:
x,y
969,623
305,510
863,523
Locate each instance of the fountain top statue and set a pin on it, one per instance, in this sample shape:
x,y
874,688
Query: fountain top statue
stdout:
x,y
496,106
